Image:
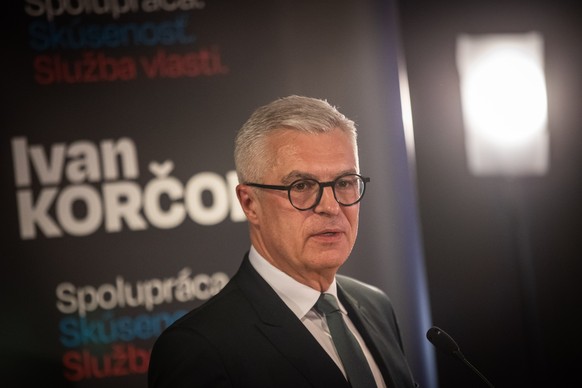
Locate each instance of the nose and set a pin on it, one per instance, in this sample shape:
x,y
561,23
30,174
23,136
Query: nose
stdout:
x,y
327,204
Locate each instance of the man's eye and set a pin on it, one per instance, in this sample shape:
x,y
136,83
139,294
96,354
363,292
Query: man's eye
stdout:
x,y
303,186
344,183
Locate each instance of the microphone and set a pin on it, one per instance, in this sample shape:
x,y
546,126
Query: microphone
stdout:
x,y
447,344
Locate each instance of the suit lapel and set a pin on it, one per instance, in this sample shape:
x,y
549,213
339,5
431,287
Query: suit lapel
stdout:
x,y
370,332
282,328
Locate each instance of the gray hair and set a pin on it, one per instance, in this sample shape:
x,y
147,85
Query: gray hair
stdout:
x,y
304,114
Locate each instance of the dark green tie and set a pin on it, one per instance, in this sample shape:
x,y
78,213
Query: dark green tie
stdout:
x,y
350,352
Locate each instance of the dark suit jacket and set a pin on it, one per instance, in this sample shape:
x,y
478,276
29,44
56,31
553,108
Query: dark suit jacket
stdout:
x,y
246,336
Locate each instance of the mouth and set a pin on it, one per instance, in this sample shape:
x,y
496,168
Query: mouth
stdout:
x,y
328,234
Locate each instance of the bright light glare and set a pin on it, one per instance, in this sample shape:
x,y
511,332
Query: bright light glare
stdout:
x,y
504,100
506,96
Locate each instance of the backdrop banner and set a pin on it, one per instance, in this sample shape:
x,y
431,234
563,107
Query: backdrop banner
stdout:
x,y
118,204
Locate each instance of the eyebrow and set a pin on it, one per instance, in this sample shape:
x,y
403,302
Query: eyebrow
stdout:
x,y
296,174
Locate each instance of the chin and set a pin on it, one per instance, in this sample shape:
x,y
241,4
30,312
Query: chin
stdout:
x,y
330,259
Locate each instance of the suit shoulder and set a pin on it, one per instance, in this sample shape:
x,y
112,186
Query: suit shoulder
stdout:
x,y
358,287
215,309
366,295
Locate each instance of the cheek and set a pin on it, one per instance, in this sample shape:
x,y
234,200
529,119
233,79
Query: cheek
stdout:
x,y
352,215
285,228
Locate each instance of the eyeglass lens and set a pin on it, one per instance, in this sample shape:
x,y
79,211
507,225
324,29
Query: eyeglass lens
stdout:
x,y
305,193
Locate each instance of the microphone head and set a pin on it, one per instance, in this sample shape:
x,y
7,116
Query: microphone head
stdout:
x,y
446,344
442,341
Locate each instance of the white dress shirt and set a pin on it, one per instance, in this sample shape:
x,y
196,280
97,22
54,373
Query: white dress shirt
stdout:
x,y
301,299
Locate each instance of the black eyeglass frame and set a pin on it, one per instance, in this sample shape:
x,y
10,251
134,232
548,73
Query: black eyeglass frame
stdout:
x,y
322,185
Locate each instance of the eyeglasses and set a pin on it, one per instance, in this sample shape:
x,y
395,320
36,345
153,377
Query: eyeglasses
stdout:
x,y
305,194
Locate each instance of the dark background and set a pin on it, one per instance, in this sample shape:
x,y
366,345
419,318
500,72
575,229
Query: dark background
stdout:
x,y
502,255
344,51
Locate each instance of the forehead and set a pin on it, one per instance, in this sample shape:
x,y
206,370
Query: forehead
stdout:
x,y
323,155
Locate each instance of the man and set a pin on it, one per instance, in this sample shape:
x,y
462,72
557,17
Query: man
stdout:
x,y
300,188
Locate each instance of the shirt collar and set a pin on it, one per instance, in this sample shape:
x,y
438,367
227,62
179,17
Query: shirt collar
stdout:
x,y
297,296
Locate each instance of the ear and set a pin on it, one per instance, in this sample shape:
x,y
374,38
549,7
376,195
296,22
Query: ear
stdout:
x,y
247,198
